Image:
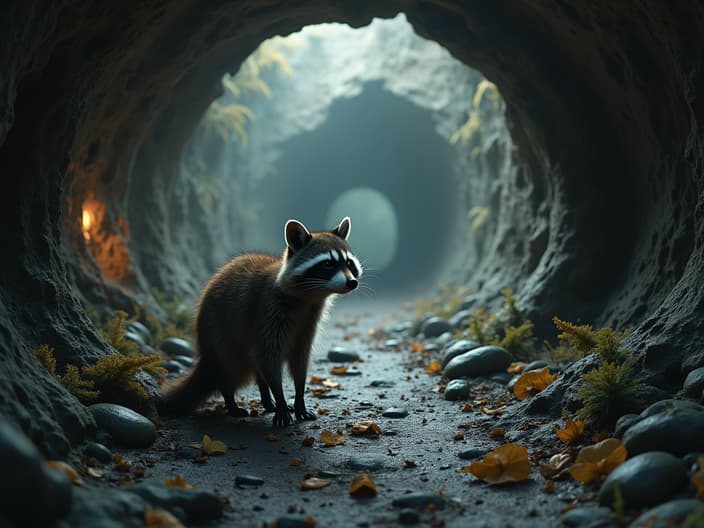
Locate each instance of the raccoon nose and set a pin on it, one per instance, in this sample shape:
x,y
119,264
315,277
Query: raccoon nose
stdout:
x,y
352,283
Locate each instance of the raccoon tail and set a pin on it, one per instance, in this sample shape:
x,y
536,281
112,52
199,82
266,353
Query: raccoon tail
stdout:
x,y
188,393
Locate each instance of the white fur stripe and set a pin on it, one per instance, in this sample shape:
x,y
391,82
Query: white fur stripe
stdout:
x,y
354,259
306,265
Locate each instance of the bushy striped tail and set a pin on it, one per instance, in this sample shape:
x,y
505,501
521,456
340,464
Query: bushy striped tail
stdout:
x,y
187,394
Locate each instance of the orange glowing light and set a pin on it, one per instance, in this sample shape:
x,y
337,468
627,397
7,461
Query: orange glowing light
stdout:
x,y
86,222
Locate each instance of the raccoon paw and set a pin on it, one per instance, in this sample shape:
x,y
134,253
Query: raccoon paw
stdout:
x,y
304,414
237,412
282,418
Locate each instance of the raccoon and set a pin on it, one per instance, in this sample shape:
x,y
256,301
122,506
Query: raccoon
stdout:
x,y
260,311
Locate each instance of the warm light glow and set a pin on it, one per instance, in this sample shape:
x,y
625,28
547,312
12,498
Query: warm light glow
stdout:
x,y
86,222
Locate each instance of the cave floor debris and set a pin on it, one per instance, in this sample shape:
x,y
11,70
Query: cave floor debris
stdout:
x,y
415,453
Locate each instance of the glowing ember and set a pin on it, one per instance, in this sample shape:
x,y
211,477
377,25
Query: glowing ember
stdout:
x,y
86,223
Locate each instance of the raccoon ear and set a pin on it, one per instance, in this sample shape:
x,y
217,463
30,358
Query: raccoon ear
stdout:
x,y
296,235
343,228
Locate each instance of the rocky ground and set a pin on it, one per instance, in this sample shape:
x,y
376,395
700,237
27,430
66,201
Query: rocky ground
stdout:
x,y
215,470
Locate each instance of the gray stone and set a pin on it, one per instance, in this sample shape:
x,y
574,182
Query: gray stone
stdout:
x,y
98,451
408,516
126,427
401,328
248,480
139,328
501,377
623,423
457,348
351,371
667,515
435,326
691,460
27,483
342,355
457,389
135,337
392,343
590,516
677,431
645,480
460,319
669,404
172,366
395,412
535,365
175,346
186,361
419,501
472,453
104,508
512,383
365,463
382,384
694,384
479,362
199,505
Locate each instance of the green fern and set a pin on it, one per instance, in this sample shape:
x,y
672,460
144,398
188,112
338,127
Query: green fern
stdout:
x,y
609,392
81,388
518,340
114,376
45,354
606,341
114,334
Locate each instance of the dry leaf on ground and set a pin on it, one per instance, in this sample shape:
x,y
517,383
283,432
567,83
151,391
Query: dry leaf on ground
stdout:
x,y
597,461
295,461
331,384
338,371
365,427
491,412
516,367
417,346
178,482
314,483
556,467
574,430
506,464
363,485
317,379
308,441
434,367
160,518
63,467
320,391
329,439
212,447
532,382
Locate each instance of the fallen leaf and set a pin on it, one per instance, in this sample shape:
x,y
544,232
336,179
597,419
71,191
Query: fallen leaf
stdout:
x,y
314,483
466,407
308,441
63,467
574,429
363,485
329,439
295,461
122,465
331,384
505,464
346,412
556,466
596,461
496,433
322,411
95,473
178,482
320,391
549,486
434,367
213,447
516,367
408,464
271,437
458,436
317,379
160,518
532,382
491,412
366,427
698,478
338,371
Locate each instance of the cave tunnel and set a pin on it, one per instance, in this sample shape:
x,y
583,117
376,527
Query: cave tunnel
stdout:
x,y
594,187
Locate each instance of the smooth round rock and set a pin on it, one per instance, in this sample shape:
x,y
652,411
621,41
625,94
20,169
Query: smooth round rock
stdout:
x,y
457,348
342,355
419,501
668,405
199,505
175,346
435,327
98,451
645,480
480,361
392,343
408,516
172,366
694,384
460,319
401,328
248,480
457,389
472,453
395,412
137,338
677,431
382,384
588,516
666,515
139,328
186,361
501,377
126,427
624,423
535,365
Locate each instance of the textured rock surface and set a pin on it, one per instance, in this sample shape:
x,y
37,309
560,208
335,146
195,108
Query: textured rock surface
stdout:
x,y
99,102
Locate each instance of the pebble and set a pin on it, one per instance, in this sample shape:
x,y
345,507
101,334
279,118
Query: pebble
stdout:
x,y
694,384
248,480
435,327
472,453
666,515
457,348
198,505
645,480
342,355
365,463
395,412
175,346
392,343
172,366
460,319
469,302
288,521
408,516
512,383
126,427
501,377
139,328
401,328
144,348
352,371
365,403
30,494
98,451
103,437
677,431
623,423
669,404
440,341
535,365
589,516
382,384
186,361
419,501
457,389
479,362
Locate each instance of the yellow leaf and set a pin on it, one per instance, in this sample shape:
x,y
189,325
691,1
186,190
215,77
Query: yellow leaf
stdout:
x,y
491,412
366,427
466,407
63,467
308,441
516,367
698,478
160,518
496,433
434,367
363,485
338,371
417,346
556,466
532,382
505,464
212,447
178,482
320,391
314,483
317,379
329,439
574,429
596,461
296,461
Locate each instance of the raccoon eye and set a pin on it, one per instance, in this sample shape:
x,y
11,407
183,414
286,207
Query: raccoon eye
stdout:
x,y
329,263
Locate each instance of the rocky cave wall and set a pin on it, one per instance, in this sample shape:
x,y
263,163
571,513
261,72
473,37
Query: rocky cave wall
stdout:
x,y
601,215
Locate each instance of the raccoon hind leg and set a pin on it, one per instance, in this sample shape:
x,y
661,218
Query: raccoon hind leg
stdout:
x,y
232,409
265,394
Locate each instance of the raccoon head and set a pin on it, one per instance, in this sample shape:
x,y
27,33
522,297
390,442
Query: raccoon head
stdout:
x,y
318,263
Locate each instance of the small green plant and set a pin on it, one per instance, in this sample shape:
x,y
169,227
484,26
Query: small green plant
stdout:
x,y
606,341
609,392
518,340
80,388
114,376
179,317
478,215
45,354
114,334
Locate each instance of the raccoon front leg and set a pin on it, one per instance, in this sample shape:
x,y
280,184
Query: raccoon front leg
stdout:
x,y
232,408
265,394
298,367
271,374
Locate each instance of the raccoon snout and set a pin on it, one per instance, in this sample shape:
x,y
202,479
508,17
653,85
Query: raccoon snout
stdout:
x,y
352,283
